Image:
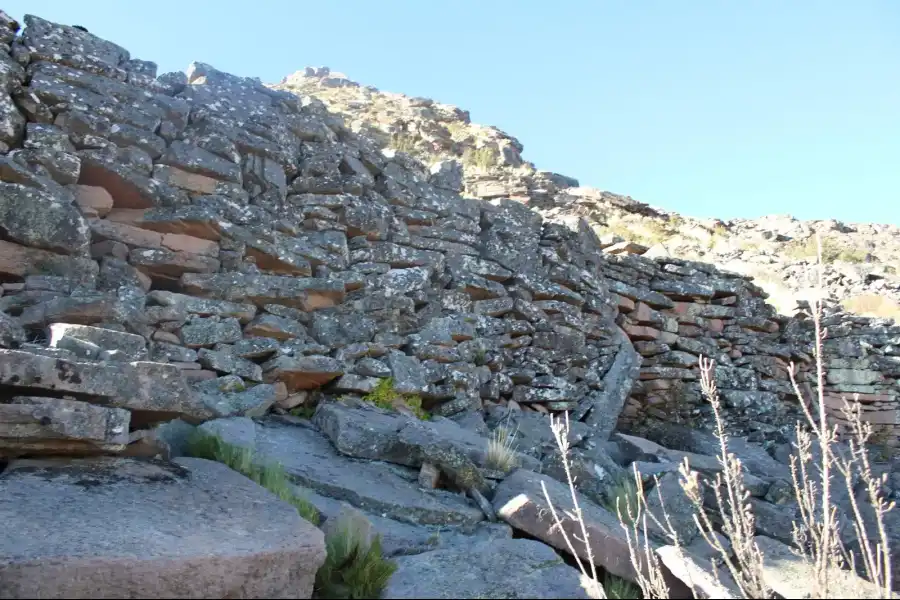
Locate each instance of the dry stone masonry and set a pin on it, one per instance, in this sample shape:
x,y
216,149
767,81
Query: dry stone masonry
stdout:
x,y
196,249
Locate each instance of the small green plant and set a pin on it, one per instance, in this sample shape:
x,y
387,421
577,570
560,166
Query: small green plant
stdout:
x,y
482,158
303,411
414,403
620,589
480,357
385,396
404,142
676,222
352,569
457,130
270,476
719,233
832,251
620,496
501,451
648,234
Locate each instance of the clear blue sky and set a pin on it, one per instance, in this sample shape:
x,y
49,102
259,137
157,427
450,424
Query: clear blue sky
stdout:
x,y
711,108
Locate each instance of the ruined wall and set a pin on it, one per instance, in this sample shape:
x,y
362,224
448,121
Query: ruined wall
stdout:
x,y
228,248
205,226
675,311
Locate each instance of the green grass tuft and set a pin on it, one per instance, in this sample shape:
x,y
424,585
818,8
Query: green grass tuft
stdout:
x,y
620,589
501,450
385,396
621,495
404,142
482,158
832,251
270,476
303,411
351,570
415,405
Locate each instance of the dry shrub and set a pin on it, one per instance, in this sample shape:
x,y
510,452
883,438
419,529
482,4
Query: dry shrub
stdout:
x,y
819,462
501,449
873,305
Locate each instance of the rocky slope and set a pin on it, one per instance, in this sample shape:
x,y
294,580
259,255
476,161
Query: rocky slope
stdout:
x,y
778,251
196,250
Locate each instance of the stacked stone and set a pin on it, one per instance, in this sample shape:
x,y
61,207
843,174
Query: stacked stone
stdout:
x,y
244,240
862,362
676,311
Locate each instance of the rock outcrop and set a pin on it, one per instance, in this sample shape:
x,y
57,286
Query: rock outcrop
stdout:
x,y
200,249
123,529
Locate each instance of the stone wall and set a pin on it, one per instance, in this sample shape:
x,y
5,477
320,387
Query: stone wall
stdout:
x,y
242,249
207,228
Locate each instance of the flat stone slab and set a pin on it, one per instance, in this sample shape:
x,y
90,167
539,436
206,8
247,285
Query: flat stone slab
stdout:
x,y
124,528
519,500
157,390
486,569
368,432
376,487
405,539
36,425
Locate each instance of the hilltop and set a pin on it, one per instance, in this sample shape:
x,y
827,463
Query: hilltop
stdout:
x,y
778,251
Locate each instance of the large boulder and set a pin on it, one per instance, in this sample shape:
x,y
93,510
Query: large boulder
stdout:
x,y
519,500
487,569
123,528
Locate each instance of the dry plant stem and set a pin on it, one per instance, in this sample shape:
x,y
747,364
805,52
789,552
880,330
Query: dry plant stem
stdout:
x,y
738,522
824,545
561,434
877,560
643,558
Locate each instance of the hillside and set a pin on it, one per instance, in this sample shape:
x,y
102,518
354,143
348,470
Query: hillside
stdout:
x,y
254,348
863,259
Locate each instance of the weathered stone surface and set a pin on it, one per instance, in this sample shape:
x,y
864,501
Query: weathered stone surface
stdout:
x,y
36,425
697,572
116,345
367,432
204,307
488,569
12,334
243,541
203,162
305,294
304,373
225,362
617,383
210,331
151,388
229,396
407,372
668,502
391,491
19,261
273,326
340,329
39,219
519,500
791,576
753,458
